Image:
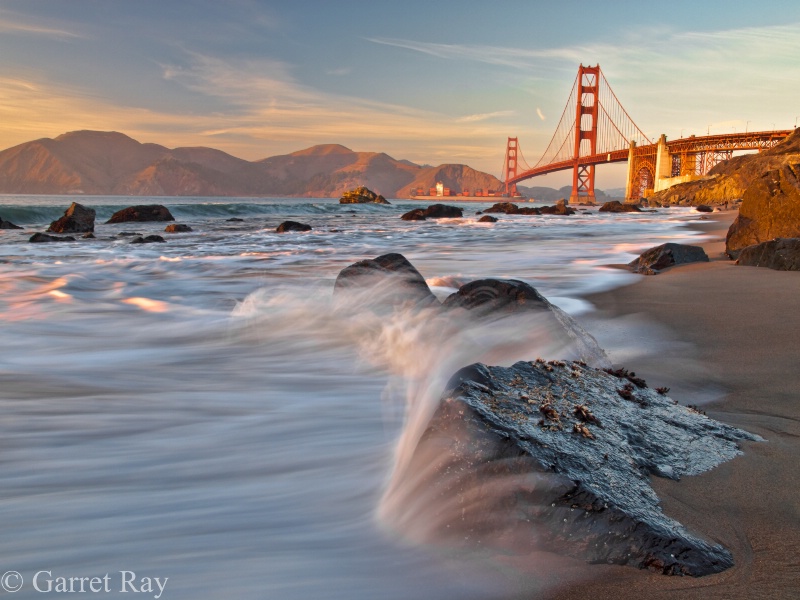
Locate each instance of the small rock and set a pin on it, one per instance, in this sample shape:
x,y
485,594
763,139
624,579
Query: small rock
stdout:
x,y
142,213
177,228
77,219
615,206
8,224
39,238
362,195
651,261
88,235
487,219
150,239
560,208
128,234
287,226
234,220
705,208
387,280
781,254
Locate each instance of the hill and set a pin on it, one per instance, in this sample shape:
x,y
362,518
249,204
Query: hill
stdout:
x,y
107,162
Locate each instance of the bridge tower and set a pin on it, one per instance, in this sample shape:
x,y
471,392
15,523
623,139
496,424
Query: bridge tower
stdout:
x,y
511,166
586,113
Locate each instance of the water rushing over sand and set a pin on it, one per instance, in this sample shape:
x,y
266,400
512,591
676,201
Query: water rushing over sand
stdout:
x,y
202,410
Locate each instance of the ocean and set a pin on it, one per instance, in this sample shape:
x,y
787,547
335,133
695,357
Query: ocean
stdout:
x,y
202,410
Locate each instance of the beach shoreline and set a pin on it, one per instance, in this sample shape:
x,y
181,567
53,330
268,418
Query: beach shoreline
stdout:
x,y
731,348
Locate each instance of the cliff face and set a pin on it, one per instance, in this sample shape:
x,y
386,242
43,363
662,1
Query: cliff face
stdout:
x,y
732,177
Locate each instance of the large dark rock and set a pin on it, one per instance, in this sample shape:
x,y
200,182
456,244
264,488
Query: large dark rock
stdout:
x,y
41,238
77,219
559,456
386,280
8,224
651,261
704,208
177,228
287,226
148,212
770,209
615,206
560,208
781,254
510,208
487,219
434,211
498,298
362,195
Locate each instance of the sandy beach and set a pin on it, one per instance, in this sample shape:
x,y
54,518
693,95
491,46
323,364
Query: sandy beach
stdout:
x,y
732,342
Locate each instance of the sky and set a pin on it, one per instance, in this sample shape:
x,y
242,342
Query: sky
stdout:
x,y
428,81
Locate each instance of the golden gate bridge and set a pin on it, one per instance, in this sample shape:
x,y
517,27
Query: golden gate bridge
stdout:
x,y
595,129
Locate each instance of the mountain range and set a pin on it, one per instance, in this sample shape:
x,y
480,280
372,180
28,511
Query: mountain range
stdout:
x,y
111,163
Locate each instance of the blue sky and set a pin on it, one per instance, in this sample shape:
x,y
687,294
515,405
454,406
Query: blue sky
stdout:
x,y
431,82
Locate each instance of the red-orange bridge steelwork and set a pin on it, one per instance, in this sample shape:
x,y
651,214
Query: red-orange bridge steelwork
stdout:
x,y
595,129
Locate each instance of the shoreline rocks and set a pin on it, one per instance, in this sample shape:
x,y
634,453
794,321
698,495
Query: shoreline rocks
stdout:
x,y
510,208
362,195
658,258
41,238
770,209
780,254
77,219
142,213
558,455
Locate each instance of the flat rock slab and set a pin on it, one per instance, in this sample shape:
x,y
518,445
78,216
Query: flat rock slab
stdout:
x,y
566,451
41,238
434,211
509,208
651,261
142,213
781,254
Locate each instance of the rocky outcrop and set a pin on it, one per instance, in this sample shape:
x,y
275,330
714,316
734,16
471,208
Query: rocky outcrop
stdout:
x,y
177,228
434,211
287,226
656,259
487,219
560,208
387,280
770,209
510,208
615,206
559,454
728,181
142,213
781,254
704,208
148,239
8,224
362,195
41,238
77,219
488,299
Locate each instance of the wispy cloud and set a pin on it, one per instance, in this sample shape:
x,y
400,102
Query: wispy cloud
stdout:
x,y
12,23
540,113
486,116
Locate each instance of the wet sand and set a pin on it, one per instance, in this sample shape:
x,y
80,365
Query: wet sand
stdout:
x,y
733,342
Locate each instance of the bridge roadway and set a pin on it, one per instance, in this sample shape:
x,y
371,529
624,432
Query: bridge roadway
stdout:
x,y
757,140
